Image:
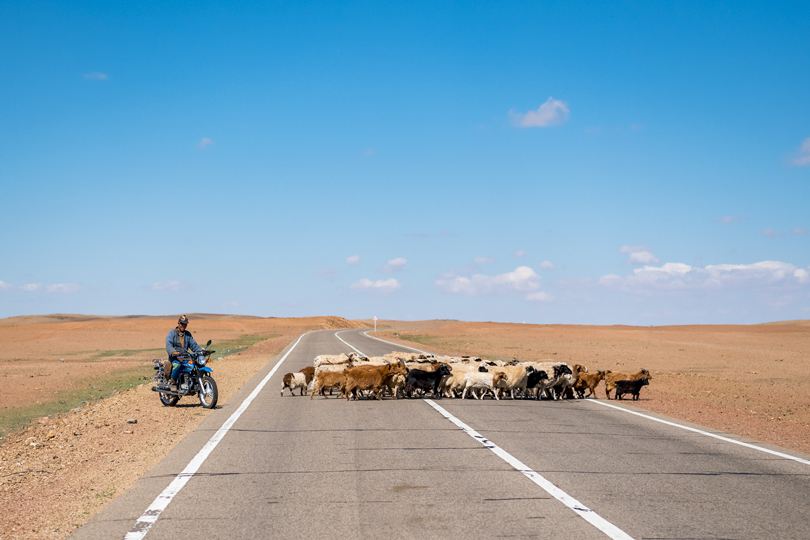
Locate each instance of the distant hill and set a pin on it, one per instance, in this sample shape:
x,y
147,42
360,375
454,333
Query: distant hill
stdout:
x,y
69,317
799,322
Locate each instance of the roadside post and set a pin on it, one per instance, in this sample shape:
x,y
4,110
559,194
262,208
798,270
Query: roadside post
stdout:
x,y
375,323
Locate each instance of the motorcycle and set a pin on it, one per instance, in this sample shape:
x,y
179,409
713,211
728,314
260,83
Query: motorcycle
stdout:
x,y
194,378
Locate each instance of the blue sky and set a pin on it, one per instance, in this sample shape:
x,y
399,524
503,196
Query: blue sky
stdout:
x,y
614,163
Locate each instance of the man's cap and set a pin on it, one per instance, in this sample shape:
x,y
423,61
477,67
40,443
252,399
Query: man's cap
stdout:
x,y
182,320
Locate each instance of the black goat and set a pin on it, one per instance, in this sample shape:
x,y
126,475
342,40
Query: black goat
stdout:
x,y
426,380
631,387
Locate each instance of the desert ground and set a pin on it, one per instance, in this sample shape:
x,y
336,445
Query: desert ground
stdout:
x,y
84,446
59,470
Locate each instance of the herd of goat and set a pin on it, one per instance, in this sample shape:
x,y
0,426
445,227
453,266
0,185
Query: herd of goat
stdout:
x,y
408,375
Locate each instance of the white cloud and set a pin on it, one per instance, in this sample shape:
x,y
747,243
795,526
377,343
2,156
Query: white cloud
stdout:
x,y
519,253
639,255
540,297
96,76
799,230
55,288
172,286
381,285
547,265
731,219
395,265
523,279
803,157
353,259
205,142
550,113
770,233
64,288
484,260
679,276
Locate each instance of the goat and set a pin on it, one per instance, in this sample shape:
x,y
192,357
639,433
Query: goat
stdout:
x,y
588,381
630,387
329,379
371,378
426,380
612,376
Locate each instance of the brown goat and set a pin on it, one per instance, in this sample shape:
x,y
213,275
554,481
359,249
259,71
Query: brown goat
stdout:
x,y
329,379
371,378
588,381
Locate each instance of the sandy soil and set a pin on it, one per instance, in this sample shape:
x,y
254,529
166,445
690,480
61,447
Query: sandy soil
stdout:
x,y
746,380
60,471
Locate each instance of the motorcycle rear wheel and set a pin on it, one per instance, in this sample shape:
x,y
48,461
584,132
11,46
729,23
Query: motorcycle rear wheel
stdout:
x,y
208,393
168,400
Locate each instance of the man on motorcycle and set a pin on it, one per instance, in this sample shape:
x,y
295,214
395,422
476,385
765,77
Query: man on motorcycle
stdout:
x,y
178,342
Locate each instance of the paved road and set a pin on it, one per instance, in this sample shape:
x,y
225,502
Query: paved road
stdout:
x,y
298,468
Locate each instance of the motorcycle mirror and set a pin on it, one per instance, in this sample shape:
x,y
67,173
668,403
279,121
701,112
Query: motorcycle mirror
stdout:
x,y
209,343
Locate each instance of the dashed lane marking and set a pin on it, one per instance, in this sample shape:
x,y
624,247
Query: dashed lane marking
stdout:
x,y
582,511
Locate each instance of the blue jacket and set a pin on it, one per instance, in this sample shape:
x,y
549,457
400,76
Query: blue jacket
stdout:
x,y
173,344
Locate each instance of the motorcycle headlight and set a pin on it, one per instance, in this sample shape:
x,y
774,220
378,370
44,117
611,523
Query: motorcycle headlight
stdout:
x,y
202,360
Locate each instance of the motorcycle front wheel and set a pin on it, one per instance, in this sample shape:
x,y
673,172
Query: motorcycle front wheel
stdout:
x,y
208,393
168,400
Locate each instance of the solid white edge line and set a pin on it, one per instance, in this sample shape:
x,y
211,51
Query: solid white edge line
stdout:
x,y
347,343
687,428
583,511
157,507
720,437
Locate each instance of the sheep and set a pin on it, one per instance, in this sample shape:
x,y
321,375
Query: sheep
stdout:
x,y
516,378
588,381
331,359
293,381
630,387
309,373
611,377
484,381
455,382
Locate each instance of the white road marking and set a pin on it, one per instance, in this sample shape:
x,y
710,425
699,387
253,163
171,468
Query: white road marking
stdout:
x,y
157,507
583,511
390,343
598,402
687,428
352,346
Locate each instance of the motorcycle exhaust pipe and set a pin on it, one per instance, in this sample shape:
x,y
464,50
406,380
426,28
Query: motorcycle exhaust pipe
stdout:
x,y
167,391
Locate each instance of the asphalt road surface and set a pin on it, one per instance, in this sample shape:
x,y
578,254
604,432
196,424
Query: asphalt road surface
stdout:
x,y
291,467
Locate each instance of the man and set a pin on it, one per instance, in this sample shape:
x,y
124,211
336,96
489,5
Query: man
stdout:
x,y
178,342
